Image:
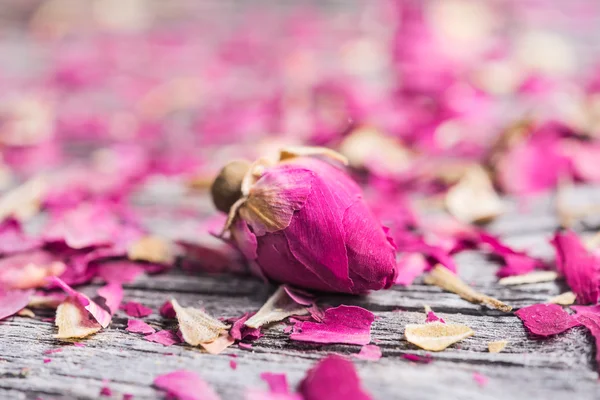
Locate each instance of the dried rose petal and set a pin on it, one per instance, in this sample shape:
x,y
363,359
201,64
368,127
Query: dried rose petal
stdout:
x,y
167,310
481,380
239,331
369,352
410,266
446,280
13,240
29,270
74,321
333,377
564,299
46,300
121,271
580,268
152,249
432,317
137,326
277,382
436,336
532,277
23,201
218,345
417,358
26,312
13,301
185,385
113,295
277,308
164,337
498,346
309,216
546,319
590,318
196,326
99,314
343,324
135,309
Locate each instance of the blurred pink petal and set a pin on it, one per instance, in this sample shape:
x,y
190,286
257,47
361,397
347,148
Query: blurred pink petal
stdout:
x,y
185,385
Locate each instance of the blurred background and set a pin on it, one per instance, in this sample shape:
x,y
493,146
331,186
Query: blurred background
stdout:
x,y
404,88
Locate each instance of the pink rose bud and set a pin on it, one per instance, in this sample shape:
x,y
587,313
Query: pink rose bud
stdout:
x,y
304,222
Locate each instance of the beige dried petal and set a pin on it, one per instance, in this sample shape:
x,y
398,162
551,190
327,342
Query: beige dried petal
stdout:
x,y
220,344
26,312
436,336
23,201
308,151
74,321
277,308
152,249
497,347
196,326
444,279
473,198
564,299
50,301
532,277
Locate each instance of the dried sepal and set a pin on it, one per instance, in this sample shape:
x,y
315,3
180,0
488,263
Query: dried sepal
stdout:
x,y
563,299
473,198
498,346
310,151
444,279
532,277
152,249
436,336
74,321
218,345
277,308
196,326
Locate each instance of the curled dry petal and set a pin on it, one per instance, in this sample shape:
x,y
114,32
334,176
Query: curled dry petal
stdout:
x,y
102,316
546,319
446,280
137,326
532,277
152,249
473,198
277,308
196,326
436,336
563,299
218,345
498,346
74,321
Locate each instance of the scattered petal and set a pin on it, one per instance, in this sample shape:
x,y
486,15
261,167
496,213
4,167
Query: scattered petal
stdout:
x,y
277,308
185,385
13,240
239,331
29,270
121,271
431,316
105,391
164,337
369,352
136,310
152,249
74,321
446,280
417,358
23,201
480,379
99,314
546,319
277,382
167,310
498,346
590,318
137,326
333,377
52,351
436,336
564,299
532,277
26,312
343,324
113,295
218,345
232,364
245,346
46,300
196,326
410,266
47,360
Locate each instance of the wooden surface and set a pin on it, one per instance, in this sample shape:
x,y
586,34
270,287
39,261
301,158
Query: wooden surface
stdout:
x,y
558,368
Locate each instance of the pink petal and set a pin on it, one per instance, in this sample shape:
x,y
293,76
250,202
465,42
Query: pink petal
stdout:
x,y
135,309
369,352
480,379
333,377
137,326
245,346
105,391
343,324
590,318
167,311
299,296
185,385
277,382
13,240
546,319
47,360
232,364
432,317
29,270
122,271
417,358
99,314
241,332
410,266
581,269
52,351
166,338
113,295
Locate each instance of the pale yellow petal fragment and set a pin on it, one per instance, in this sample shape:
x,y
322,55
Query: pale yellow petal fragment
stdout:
x,y
497,347
473,198
277,308
51,302
152,249
26,312
308,151
444,279
74,321
196,326
23,201
220,344
564,299
532,277
436,336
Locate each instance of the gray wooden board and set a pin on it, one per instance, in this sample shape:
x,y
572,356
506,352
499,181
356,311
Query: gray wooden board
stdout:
x,y
562,367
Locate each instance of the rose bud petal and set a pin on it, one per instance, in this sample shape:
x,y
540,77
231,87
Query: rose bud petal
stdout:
x,y
304,222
